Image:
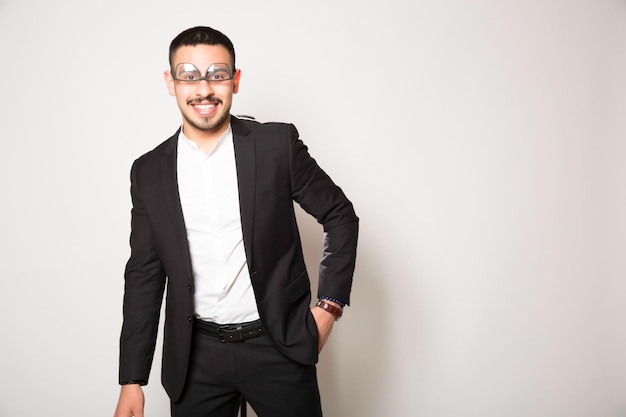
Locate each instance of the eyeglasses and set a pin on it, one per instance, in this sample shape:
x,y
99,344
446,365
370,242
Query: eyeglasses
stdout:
x,y
188,73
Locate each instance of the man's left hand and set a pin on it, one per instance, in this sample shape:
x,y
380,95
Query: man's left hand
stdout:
x,y
325,322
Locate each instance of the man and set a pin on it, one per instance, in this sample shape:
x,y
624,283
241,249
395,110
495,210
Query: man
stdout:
x,y
213,222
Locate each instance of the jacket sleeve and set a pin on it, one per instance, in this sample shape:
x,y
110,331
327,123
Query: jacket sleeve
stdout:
x,y
144,283
319,196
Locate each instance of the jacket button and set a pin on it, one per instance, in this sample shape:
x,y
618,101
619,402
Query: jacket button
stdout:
x,y
189,288
189,319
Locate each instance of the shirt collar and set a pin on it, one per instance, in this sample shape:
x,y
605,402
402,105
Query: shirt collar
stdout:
x,y
190,144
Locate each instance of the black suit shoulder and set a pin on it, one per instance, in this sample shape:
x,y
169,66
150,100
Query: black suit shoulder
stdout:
x,y
265,130
166,146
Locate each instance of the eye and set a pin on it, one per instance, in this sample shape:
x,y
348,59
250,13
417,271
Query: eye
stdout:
x,y
188,76
218,76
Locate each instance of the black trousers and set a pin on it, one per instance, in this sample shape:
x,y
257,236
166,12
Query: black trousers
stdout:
x,y
220,373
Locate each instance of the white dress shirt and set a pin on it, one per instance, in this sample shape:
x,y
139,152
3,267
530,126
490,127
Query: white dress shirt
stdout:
x,y
209,196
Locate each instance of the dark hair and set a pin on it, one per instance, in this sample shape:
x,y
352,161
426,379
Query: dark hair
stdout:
x,y
202,35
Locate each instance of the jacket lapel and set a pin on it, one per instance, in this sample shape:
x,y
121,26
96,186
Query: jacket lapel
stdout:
x,y
172,199
245,162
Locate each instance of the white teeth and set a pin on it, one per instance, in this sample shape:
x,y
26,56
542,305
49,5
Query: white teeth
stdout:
x,y
205,106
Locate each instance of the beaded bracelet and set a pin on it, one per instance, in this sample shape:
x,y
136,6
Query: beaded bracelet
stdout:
x,y
334,300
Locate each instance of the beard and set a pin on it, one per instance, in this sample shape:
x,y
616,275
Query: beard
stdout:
x,y
207,123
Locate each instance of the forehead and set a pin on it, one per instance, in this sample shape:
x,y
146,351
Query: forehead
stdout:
x,y
202,56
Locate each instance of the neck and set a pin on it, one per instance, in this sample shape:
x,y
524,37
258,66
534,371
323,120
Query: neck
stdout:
x,y
205,138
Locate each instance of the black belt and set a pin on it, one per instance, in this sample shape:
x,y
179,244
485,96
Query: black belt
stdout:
x,y
229,332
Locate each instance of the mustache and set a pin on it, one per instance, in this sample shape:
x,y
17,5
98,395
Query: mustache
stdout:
x,y
205,100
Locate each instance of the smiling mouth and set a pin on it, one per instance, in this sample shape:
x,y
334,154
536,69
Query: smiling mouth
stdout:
x,y
204,107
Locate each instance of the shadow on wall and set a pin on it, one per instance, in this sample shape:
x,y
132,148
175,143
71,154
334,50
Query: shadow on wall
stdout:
x,y
351,365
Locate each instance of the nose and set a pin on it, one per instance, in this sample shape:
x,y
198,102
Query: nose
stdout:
x,y
204,88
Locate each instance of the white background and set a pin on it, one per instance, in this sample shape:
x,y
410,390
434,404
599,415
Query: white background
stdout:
x,y
482,143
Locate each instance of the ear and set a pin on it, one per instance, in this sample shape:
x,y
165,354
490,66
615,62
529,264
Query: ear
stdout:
x,y
236,80
169,82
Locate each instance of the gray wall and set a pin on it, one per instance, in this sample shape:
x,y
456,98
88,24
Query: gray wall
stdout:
x,y
481,142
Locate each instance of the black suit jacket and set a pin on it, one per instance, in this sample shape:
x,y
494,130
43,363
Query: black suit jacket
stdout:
x,y
273,170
